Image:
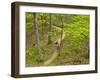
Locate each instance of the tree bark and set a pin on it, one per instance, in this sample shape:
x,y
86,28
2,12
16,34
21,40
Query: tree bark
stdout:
x,y
50,29
37,35
42,28
56,22
62,26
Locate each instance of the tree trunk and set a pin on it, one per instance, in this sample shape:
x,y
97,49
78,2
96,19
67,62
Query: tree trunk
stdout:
x,y
42,28
57,25
37,35
50,30
62,25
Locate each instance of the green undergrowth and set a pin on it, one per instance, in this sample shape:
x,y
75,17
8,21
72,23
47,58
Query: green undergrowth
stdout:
x,y
47,49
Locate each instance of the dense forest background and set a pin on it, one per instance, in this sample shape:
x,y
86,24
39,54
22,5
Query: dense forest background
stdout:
x,y
56,39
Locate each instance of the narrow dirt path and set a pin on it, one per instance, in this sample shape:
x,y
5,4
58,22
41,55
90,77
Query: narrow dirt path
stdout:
x,y
55,53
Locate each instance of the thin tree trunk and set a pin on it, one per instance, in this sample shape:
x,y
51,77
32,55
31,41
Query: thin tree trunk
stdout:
x,y
56,23
37,35
50,30
62,22
62,25
42,28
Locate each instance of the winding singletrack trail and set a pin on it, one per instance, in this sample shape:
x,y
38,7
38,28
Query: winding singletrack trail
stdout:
x,y
55,53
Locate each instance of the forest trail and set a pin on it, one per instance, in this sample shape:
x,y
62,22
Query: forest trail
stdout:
x,y
55,53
